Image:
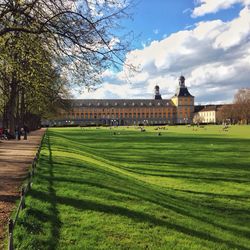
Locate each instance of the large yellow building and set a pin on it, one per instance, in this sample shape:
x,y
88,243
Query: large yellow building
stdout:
x,y
177,110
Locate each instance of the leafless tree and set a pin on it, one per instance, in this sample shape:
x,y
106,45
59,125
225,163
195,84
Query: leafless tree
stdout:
x,y
242,105
227,114
197,119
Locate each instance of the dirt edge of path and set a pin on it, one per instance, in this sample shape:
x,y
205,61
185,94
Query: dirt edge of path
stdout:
x,y
15,160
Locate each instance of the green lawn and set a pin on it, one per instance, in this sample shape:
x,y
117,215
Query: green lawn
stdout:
x,y
186,189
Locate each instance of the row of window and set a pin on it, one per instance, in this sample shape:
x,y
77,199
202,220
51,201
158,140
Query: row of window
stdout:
x,y
129,110
184,102
124,104
208,114
116,115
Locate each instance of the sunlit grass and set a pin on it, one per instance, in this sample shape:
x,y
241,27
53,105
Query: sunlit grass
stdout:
x,y
120,188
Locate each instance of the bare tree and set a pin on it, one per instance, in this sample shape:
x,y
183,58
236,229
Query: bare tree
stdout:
x,y
242,105
227,114
197,119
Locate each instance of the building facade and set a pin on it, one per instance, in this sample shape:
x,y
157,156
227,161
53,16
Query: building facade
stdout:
x,y
206,114
177,110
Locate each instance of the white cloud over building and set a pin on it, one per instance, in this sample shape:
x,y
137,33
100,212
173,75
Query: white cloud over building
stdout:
x,y
213,56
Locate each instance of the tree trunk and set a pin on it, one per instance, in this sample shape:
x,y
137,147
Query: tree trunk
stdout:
x,y
11,107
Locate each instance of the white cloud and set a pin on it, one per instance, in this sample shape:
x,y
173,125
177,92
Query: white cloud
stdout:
x,y
156,31
236,31
112,91
212,6
214,56
187,10
113,42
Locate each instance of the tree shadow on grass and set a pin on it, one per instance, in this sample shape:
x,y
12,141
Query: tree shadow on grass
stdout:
x,y
138,217
54,213
202,177
124,185
142,191
190,152
212,178
52,216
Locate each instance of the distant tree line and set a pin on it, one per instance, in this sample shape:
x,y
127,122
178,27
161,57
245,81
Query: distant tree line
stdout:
x,y
238,111
48,46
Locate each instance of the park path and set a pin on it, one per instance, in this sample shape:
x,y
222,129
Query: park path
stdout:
x,y
15,158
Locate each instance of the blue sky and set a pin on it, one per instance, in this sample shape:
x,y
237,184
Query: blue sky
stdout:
x,y
206,40
156,19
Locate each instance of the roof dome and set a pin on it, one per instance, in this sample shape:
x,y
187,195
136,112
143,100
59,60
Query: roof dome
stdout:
x,y
157,93
182,79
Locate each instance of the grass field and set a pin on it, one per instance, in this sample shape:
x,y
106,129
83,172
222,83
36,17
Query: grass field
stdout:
x,y
186,189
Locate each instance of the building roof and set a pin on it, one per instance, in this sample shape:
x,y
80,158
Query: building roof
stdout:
x,y
204,108
121,103
182,92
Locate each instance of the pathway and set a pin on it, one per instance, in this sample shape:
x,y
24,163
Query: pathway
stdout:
x,y
15,158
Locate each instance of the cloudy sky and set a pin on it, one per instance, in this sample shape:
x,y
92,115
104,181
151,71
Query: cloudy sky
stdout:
x,y
208,41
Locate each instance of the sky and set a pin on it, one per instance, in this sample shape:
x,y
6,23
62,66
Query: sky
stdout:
x,y
207,41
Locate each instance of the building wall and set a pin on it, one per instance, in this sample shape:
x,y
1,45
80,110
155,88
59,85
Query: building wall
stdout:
x,y
121,116
179,109
184,109
208,116
128,115
205,116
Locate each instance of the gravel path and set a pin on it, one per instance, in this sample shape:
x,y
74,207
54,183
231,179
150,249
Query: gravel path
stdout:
x,y
15,158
